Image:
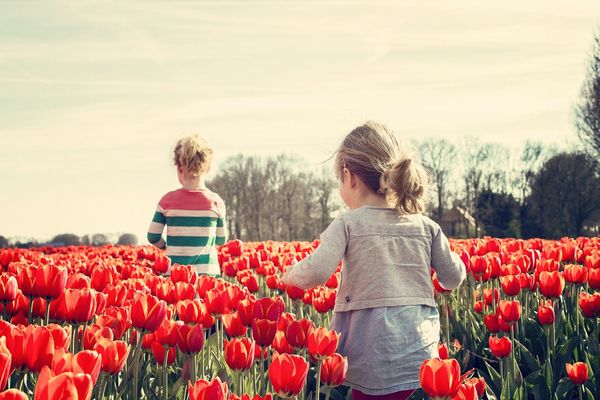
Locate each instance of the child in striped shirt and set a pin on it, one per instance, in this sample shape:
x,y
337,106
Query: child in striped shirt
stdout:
x,y
194,215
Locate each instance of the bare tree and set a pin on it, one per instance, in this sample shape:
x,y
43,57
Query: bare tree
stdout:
x,y
273,198
473,155
438,156
587,111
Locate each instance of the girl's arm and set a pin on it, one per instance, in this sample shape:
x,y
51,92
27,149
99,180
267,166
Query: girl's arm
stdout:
x,y
450,269
156,229
322,263
222,233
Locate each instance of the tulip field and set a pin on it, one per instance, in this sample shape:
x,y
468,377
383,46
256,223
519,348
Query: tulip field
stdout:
x,y
106,323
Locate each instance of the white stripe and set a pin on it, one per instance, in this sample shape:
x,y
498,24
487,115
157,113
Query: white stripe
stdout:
x,y
191,231
160,209
188,250
156,227
207,269
192,213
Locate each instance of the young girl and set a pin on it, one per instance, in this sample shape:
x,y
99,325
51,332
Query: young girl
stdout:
x,y
195,216
385,308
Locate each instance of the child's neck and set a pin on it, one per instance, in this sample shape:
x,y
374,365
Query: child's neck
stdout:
x,y
370,199
193,183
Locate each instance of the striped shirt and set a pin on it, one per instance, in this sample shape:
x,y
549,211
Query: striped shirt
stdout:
x,y
195,221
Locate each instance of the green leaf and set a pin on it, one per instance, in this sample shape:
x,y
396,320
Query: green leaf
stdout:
x,y
520,393
563,389
532,362
496,379
548,374
589,394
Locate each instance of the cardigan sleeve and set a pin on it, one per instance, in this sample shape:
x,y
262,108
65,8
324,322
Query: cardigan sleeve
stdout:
x,y
322,263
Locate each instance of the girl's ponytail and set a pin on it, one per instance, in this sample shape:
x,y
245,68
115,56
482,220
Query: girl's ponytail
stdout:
x,y
384,164
405,186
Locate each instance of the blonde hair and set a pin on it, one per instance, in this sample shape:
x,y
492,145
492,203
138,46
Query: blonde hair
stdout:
x,y
193,155
387,167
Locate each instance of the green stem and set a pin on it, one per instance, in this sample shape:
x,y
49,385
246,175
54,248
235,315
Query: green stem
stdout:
x,y
318,383
47,319
102,386
192,362
166,375
262,372
30,310
327,392
136,369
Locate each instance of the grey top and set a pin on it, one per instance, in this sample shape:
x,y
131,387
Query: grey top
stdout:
x,y
386,260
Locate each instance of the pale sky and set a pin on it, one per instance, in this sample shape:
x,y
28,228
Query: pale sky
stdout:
x,y
94,96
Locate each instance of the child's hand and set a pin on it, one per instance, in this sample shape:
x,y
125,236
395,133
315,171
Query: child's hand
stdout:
x,y
285,276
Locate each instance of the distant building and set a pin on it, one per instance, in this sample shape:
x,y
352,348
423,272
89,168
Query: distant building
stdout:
x,y
457,222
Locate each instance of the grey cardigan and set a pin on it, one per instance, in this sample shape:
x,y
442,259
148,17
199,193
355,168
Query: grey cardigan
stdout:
x,y
386,260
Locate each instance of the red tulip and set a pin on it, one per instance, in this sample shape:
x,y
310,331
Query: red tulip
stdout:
x,y
5,363
13,394
466,391
80,305
114,354
280,343
233,324
166,334
184,291
322,342
578,372
296,332
93,333
443,351
589,304
287,374
50,281
334,369
204,390
245,311
594,278
500,347
268,308
38,345
188,310
293,292
217,301
190,338
263,331
239,353
488,298
440,378
510,310
510,285
551,284
546,313
15,339
64,386
148,313
85,362
159,351
577,274
8,288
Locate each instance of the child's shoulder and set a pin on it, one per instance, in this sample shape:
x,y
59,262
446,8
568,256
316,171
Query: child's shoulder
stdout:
x,y
389,215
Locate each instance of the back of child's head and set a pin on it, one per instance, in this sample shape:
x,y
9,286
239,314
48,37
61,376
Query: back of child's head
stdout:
x,y
385,165
193,155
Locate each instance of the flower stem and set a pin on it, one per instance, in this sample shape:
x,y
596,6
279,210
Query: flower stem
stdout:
x,y
318,382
